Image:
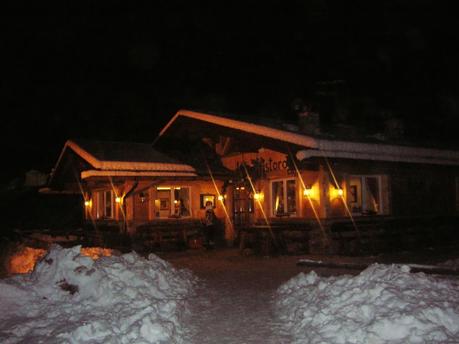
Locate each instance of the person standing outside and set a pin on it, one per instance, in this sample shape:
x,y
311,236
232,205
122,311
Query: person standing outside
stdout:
x,y
209,222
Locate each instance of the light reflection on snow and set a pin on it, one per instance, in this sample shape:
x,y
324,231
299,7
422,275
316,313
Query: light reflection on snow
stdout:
x,y
25,259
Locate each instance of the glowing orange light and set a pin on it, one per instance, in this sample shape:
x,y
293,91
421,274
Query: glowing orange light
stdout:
x,y
87,203
307,192
118,199
24,261
336,192
258,196
96,252
221,198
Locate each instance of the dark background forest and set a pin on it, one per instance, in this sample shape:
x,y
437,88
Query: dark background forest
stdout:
x,y
119,70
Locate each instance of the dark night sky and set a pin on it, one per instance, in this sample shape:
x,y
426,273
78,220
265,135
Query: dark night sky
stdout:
x,y
119,70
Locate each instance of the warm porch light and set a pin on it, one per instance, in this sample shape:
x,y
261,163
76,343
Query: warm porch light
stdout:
x,y
307,192
118,199
336,192
221,198
258,196
87,203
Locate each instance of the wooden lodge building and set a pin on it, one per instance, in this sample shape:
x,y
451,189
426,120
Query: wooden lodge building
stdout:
x,y
273,185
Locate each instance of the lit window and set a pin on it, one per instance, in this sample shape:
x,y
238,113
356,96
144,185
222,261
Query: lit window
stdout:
x,y
182,202
204,198
364,195
283,197
105,204
173,202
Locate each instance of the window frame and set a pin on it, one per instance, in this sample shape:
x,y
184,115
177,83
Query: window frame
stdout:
x,y
172,199
101,209
364,209
203,198
285,197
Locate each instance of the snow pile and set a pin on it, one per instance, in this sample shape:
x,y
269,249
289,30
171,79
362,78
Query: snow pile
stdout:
x,y
384,304
73,299
452,264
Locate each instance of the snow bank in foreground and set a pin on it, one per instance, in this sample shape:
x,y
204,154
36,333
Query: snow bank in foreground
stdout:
x,y
384,304
70,298
452,264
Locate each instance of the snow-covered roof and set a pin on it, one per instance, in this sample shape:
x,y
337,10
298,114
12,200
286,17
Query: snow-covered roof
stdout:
x,y
125,159
320,147
125,156
111,173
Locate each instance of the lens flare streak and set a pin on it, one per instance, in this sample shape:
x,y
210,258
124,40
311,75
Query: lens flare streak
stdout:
x,y
219,195
341,196
314,210
260,205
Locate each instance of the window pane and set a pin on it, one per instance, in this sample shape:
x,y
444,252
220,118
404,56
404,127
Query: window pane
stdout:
x,y
100,205
182,196
291,196
371,202
355,194
278,197
108,204
163,202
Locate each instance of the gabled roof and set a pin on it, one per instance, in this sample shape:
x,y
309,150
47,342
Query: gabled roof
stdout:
x,y
123,159
243,125
320,147
122,151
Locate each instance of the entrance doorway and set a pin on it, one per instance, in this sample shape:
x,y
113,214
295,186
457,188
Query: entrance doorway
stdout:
x,y
140,207
242,207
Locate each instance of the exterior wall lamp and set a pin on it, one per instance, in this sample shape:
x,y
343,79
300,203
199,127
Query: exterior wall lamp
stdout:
x,y
307,192
258,196
336,192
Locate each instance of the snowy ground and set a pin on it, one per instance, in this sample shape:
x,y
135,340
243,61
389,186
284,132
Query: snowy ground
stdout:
x,y
271,300
235,302
70,298
383,304
225,298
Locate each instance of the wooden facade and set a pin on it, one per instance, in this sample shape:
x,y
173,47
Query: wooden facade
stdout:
x,y
267,180
136,203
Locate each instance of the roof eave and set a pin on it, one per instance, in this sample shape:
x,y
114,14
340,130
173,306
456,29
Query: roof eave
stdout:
x,y
324,147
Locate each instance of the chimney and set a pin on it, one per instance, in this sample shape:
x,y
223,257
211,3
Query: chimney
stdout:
x,y
309,121
394,128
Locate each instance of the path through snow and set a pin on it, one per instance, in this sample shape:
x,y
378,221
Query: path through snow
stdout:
x,y
223,314
235,300
234,303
